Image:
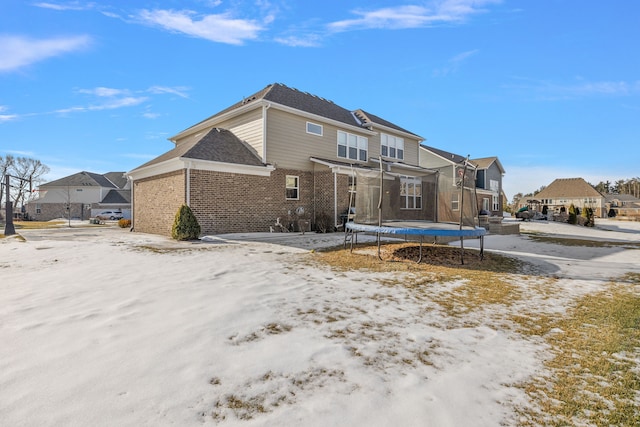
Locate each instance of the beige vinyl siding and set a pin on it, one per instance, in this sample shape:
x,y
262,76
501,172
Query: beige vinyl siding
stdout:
x,y
410,150
248,127
290,146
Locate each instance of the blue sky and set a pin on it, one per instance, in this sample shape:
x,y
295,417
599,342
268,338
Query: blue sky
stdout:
x,y
550,87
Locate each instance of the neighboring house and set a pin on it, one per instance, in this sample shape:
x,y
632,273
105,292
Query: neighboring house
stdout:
x,y
622,205
489,173
488,179
564,192
85,194
278,154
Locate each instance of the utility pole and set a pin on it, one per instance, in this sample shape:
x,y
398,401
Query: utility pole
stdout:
x,y
9,229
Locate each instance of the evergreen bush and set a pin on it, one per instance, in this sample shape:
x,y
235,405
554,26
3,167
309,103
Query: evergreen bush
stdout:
x,y
573,217
185,225
587,214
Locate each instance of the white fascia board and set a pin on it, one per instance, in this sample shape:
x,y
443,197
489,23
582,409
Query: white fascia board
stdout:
x,y
321,118
387,129
208,165
167,166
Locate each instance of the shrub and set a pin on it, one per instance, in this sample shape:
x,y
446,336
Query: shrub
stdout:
x,y
185,225
324,223
124,223
573,217
587,214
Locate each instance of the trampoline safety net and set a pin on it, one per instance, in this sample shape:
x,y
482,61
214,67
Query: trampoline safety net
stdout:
x,y
443,195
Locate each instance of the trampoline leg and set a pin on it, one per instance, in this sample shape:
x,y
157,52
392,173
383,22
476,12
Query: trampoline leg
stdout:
x,y
481,248
378,239
461,251
420,257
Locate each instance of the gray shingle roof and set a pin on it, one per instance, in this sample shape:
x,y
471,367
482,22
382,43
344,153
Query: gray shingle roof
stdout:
x,y
455,158
218,145
304,101
82,179
117,197
368,117
569,188
118,178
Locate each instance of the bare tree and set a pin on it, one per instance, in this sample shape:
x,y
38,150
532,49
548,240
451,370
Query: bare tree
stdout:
x,y
30,172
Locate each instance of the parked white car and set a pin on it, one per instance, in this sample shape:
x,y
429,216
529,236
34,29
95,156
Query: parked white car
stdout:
x,y
110,215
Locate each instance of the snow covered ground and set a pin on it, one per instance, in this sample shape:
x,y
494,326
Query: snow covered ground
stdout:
x,y
104,327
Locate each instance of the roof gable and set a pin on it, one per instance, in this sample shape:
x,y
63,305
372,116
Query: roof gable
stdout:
x,y
82,179
218,145
486,162
280,94
451,157
117,196
568,187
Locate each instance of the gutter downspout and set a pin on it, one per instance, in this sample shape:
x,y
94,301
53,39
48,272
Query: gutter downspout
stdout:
x,y
264,132
335,198
188,184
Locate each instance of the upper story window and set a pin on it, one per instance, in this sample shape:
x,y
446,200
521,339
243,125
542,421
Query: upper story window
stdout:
x,y
314,129
391,146
352,146
494,185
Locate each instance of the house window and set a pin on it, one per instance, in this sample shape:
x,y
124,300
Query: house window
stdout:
x,y
292,187
455,201
485,204
38,209
352,184
314,129
495,202
352,146
410,192
391,146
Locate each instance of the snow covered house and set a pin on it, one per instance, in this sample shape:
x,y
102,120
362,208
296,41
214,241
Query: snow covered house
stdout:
x,y
278,154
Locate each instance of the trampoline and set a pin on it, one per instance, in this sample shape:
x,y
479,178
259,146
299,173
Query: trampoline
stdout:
x,y
412,203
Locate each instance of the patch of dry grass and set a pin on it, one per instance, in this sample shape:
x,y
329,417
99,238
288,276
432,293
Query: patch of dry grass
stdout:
x,y
570,241
34,225
592,374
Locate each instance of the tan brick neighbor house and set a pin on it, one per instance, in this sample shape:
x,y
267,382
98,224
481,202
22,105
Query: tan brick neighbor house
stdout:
x,y
280,153
563,192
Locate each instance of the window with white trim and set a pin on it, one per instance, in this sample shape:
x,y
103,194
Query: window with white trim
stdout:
x,y
455,201
292,187
391,146
352,146
314,129
496,202
410,192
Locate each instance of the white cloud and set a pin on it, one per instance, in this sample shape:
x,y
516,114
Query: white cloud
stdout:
x,y
297,41
8,117
411,16
454,63
113,104
104,91
219,28
178,90
17,52
580,89
74,5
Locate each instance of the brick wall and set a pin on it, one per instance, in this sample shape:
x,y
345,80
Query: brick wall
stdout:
x,y
157,199
234,203
49,211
